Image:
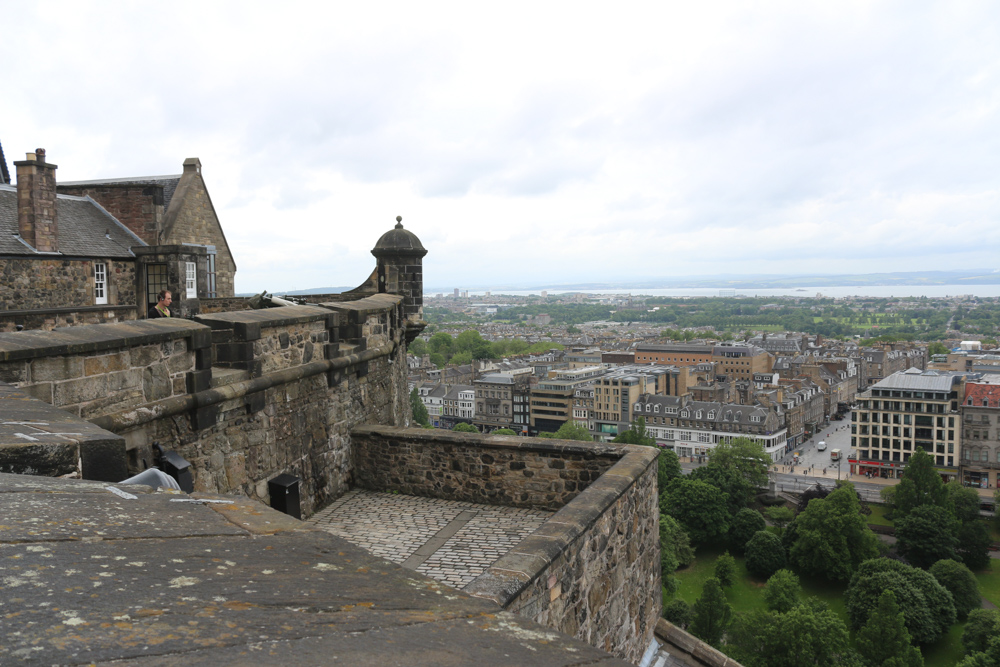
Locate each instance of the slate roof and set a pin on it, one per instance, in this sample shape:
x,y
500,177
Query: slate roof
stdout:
x,y
168,183
914,378
85,229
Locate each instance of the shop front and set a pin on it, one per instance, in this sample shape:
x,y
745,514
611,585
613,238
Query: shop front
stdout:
x,y
979,479
881,469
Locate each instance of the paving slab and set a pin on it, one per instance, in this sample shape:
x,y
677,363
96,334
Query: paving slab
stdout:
x,y
449,540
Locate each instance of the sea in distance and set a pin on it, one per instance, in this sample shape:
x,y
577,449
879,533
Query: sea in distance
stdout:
x,y
884,291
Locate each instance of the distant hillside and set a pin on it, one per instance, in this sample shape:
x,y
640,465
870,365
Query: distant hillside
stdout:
x,y
300,292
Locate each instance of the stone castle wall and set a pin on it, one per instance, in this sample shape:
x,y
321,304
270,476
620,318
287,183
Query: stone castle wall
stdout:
x,y
589,570
274,409
52,292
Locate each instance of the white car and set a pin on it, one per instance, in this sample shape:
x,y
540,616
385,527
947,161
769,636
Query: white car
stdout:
x,y
821,447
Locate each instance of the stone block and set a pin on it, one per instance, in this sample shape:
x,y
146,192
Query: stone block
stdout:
x,y
79,391
198,381
14,372
56,368
147,355
106,363
203,358
180,363
206,417
42,391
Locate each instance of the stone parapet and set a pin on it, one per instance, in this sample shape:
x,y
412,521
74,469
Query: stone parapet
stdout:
x,y
93,370
592,569
500,470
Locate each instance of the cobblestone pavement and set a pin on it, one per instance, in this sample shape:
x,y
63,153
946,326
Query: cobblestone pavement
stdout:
x,y
451,541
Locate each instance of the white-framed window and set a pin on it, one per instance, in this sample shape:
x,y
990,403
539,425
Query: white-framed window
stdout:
x,y
100,283
192,280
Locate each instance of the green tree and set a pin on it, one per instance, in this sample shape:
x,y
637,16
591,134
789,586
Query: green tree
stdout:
x,y
921,485
678,612
981,626
807,634
927,607
437,359
974,543
636,435
831,538
442,343
782,591
765,555
725,570
418,408
468,340
937,348
747,463
711,614
884,641
463,427
744,526
926,535
570,430
418,347
668,468
780,516
958,580
504,431
460,359
699,507
675,546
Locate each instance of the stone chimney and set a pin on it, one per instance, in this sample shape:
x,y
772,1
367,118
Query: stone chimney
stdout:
x,y
36,202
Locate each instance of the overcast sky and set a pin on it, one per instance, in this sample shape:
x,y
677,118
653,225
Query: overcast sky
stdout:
x,y
534,143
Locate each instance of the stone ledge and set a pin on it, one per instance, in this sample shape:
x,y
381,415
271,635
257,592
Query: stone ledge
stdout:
x,y
693,650
25,345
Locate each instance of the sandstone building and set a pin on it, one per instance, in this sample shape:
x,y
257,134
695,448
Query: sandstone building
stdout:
x,y
100,251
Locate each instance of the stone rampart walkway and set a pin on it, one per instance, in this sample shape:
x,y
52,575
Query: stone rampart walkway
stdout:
x,y
450,541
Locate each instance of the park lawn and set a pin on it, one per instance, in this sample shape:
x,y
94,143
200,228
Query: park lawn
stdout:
x,y
748,594
744,595
947,651
877,517
989,582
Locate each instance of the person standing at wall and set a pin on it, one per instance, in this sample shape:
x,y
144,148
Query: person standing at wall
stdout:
x,y
162,307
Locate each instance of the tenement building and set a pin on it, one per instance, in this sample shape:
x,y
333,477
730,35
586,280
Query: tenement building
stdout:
x,y
693,428
981,432
907,410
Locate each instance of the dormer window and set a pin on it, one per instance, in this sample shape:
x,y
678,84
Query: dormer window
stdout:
x,y
711,414
656,408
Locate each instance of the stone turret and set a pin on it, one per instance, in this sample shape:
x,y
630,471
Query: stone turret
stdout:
x,y
399,270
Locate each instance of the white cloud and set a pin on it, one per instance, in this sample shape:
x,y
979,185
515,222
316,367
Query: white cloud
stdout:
x,y
531,142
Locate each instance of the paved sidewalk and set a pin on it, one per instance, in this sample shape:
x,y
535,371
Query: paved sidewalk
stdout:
x,y
450,541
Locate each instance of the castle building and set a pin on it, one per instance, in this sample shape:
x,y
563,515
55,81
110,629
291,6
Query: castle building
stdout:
x,y
100,251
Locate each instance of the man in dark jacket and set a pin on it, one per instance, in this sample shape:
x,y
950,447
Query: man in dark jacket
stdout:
x,y
162,307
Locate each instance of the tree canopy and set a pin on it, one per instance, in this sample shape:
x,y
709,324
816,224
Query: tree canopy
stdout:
x,y
926,535
745,524
884,641
961,583
921,485
569,430
698,506
831,538
765,554
418,408
927,606
711,614
782,591
807,634
463,427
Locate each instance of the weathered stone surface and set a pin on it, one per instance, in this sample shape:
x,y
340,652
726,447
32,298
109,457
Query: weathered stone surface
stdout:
x,y
236,597
38,439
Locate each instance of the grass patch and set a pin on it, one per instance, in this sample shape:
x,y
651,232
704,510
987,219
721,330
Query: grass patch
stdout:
x,y
877,517
947,651
744,595
989,582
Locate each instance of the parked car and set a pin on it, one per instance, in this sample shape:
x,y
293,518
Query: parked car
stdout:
x,y
821,447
